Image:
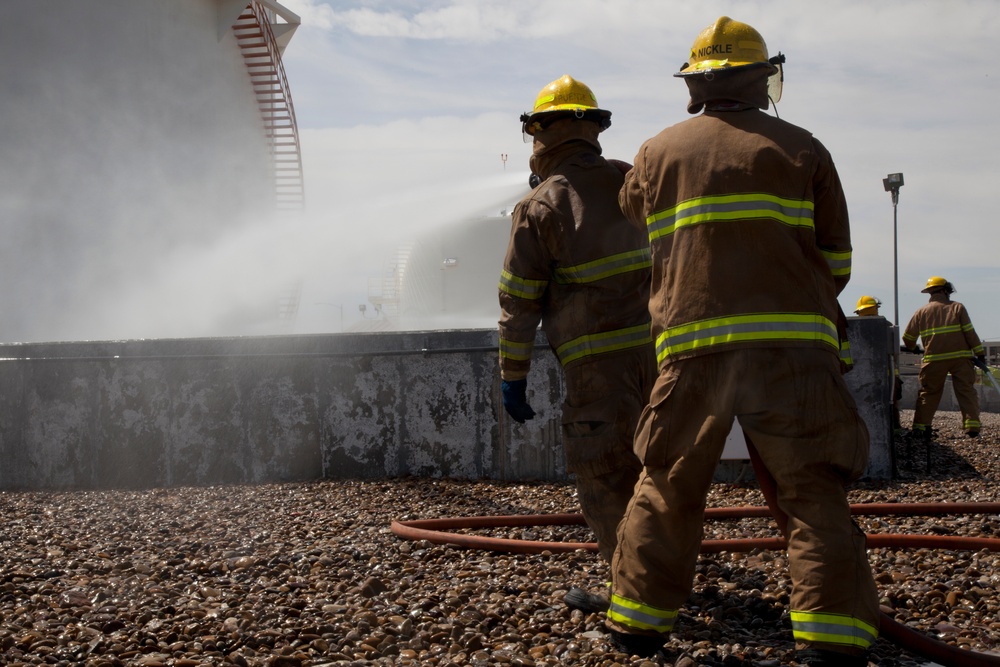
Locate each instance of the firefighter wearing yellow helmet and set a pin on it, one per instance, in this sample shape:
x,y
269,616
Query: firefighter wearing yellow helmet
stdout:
x,y
575,265
726,47
867,306
750,241
564,98
950,345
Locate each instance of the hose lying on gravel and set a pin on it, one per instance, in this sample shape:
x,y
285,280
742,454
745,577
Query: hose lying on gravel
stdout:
x,y
435,531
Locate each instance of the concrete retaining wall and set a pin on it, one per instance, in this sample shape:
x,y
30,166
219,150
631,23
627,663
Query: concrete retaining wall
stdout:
x,y
155,413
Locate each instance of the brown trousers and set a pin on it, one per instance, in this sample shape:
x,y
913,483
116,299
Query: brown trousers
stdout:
x,y
604,398
794,406
963,380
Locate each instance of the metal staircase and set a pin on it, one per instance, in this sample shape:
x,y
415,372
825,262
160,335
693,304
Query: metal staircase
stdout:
x,y
262,55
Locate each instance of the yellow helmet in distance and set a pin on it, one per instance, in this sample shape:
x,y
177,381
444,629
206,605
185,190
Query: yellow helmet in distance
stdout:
x,y
867,305
933,283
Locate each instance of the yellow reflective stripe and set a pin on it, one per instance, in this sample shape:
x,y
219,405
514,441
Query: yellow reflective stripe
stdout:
x,y
944,356
839,262
601,343
907,336
845,352
521,287
839,629
588,272
722,208
516,350
972,423
637,615
746,328
950,328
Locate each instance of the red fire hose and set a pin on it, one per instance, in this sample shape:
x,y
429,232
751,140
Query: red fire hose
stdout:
x,y
435,531
889,627
432,530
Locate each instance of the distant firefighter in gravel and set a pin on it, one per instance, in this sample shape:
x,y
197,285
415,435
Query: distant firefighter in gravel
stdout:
x,y
950,345
750,241
576,265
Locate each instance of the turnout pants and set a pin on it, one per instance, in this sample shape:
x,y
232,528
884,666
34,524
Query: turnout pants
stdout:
x,y
604,398
794,406
963,380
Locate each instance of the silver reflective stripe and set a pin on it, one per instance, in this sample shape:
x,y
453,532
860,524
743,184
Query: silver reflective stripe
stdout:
x,y
744,328
948,355
608,341
839,262
845,352
521,287
641,616
605,267
516,350
949,328
832,629
723,208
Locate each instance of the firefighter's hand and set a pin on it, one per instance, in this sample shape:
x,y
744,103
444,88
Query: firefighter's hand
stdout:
x,y
916,349
514,400
980,361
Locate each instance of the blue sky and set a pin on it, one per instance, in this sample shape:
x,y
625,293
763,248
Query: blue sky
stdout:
x,y
405,108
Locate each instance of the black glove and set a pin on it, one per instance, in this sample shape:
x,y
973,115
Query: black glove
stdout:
x,y
980,361
514,400
916,349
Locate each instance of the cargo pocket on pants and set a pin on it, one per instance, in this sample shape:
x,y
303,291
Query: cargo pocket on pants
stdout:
x,y
591,438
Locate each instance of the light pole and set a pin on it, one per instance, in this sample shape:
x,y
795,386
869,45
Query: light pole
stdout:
x,y
892,184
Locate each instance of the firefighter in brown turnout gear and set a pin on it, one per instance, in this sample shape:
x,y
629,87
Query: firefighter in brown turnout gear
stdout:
x,y
950,346
577,266
750,241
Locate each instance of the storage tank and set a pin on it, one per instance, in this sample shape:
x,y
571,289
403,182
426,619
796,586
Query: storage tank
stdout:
x,y
138,137
445,278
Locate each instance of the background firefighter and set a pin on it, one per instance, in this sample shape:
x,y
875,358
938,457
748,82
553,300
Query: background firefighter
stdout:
x,y
576,265
750,242
950,345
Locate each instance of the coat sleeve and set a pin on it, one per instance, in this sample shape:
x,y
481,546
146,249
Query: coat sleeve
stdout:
x,y
832,224
971,337
632,196
523,283
912,332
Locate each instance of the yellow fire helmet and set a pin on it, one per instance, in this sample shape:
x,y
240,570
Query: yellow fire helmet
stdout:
x,y
729,45
565,97
933,283
867,305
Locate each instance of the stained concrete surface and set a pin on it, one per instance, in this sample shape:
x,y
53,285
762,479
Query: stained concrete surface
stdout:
x,y
175,412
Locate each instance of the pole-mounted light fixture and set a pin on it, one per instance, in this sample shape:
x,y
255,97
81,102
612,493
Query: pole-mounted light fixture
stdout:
x,y
892,184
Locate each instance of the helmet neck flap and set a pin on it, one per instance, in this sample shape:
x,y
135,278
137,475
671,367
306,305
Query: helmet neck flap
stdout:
x,y
746,87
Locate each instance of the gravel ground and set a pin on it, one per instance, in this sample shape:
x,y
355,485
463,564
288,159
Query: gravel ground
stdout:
x,y
309,574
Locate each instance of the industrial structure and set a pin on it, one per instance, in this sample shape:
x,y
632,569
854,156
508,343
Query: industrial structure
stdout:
x,y
139,136
445,278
